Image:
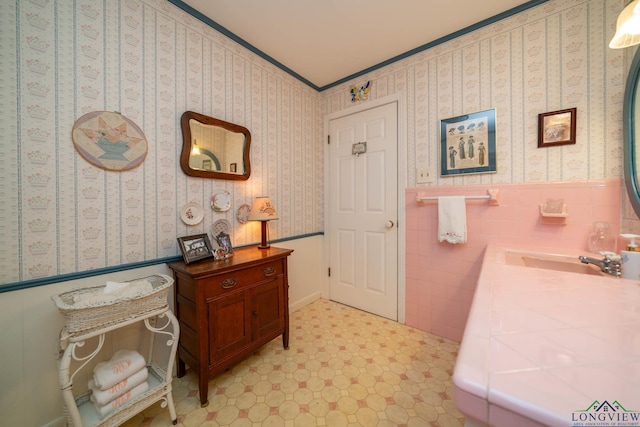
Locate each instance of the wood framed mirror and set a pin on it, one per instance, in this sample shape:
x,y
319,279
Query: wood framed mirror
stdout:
x,y
213,148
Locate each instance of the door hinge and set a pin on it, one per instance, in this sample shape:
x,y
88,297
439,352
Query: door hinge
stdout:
x,y
329,139
329,271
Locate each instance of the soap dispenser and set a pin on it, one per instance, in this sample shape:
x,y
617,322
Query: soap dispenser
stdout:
x,y
630,258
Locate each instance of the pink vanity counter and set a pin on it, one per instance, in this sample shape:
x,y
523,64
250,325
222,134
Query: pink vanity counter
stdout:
x,y
546,347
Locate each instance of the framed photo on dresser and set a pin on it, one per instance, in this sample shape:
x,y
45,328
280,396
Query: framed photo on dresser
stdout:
x,y
195,248
224,250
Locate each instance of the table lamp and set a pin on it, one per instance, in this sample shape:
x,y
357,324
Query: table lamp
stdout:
x,y
263,211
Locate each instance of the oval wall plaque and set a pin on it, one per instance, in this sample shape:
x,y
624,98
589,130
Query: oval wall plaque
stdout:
x,y
109,140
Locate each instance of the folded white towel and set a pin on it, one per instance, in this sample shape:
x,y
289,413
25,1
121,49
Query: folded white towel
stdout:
x,y
115,287
452,219
128,289
123,364
112,292
102,397
104,410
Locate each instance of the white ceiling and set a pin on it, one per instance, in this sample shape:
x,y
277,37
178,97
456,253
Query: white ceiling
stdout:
x,y
325,41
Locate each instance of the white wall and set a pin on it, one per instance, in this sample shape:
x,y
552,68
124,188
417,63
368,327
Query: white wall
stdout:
x,y
29,389
306,277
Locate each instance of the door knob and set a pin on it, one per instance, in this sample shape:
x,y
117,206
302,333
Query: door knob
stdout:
x,y
389,225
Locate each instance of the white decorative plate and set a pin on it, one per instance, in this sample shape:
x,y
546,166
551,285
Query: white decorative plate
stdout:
x,y
243,213
220,226
192,213
221,202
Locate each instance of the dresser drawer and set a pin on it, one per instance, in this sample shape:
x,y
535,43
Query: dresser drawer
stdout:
x,y
239,279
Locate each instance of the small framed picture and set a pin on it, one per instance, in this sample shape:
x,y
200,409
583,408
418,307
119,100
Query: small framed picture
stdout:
x,y
195,247
225,250
219,254
557,128
233,167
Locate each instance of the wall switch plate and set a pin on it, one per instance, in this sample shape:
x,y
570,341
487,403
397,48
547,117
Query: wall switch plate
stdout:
x,y
425,176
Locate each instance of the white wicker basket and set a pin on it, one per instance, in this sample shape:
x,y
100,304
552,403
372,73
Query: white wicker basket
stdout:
x,y
83,318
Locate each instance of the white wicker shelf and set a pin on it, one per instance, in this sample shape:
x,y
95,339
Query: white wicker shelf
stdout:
x,y
157,319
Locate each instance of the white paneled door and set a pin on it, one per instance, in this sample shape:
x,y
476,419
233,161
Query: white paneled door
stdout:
x,y
363,210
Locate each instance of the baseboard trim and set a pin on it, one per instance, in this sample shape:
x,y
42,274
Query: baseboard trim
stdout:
x,y
58,422
297,305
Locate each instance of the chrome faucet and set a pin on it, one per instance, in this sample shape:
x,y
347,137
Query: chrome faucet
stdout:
x,y
610,264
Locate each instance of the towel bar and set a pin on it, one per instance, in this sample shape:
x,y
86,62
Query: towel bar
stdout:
x,y
492,196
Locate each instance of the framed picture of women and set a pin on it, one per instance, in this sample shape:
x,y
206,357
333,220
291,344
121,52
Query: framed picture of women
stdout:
x,y
468,144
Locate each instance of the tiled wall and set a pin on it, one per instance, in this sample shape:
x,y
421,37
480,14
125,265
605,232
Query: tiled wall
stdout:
x,y
441,277
150,61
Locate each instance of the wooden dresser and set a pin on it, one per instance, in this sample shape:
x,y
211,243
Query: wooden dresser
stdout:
x,y
227,309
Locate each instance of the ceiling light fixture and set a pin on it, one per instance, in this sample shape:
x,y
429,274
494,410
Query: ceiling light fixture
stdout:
x,y
627,27
195,150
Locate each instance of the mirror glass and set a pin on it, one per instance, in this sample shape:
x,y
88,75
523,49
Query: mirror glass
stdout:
x,y
213,148
631,116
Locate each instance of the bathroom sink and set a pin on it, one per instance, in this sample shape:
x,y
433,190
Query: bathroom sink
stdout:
x,y
551,262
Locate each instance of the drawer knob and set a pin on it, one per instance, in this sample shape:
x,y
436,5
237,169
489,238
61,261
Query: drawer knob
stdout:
x,y
228,283
269,271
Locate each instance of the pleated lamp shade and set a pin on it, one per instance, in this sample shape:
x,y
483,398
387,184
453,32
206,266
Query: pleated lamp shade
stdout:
x,y
263,210
628,27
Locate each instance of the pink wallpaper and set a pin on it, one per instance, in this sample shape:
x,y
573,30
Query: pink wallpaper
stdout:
x,y
441,277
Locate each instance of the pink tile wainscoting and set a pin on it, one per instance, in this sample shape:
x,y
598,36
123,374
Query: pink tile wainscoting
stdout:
x,y
441,277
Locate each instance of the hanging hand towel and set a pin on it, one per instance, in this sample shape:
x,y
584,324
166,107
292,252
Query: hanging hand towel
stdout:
x,y
452,219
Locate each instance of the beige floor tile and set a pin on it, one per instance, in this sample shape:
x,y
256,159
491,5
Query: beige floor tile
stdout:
x,y
344,367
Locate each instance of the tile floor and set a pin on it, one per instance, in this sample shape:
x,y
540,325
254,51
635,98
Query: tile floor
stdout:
x,y
344,367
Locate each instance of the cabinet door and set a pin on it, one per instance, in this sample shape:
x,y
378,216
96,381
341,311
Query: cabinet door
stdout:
x,y
229,325
267,307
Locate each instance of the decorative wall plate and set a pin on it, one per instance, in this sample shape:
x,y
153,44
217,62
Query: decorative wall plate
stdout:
x,y
243,213
220,226
109,140
192,213
221,202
